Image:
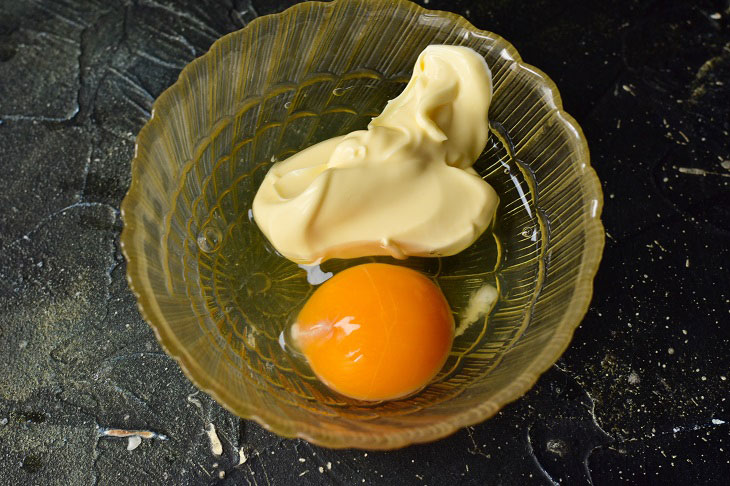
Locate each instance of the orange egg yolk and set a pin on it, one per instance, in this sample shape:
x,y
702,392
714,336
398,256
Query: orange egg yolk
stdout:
x,y
375,331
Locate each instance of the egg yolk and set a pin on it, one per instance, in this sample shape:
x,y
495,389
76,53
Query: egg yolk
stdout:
x,y
375,331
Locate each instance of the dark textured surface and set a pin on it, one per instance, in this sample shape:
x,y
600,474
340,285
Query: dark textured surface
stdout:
x,y
639,397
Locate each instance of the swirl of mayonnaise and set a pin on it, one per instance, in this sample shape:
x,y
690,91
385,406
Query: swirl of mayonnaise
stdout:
x,y
405,186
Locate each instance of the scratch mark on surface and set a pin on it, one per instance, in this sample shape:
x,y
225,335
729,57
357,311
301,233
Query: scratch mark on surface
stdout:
x,y
199,25
159,61
592,408
56,14
252,473
55,38
712,424
109,363
50,217
143,434
531,451
592,413
38,118
134,84
182,40
475,449
85,174
131,396
266,475
700,172
715,422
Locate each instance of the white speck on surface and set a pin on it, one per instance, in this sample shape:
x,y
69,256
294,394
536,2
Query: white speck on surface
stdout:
x,y
321,469
241,457
301,459
716,16
215,444
717,422
191,398
480,303
303,473
315,275
133,441
686,263
670,350
634,378
329,466
692,171
222,474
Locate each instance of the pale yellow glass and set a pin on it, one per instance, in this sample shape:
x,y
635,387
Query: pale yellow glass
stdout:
x,y
218,296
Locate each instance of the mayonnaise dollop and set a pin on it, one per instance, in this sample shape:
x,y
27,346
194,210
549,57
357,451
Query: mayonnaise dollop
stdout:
x,y
405,186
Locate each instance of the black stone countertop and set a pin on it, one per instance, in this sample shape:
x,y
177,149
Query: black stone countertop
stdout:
x,y
640,396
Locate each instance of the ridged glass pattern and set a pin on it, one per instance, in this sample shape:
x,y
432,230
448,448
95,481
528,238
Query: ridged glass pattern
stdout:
x,y
219,297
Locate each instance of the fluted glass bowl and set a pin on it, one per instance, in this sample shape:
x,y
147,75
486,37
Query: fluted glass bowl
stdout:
x,y
218,296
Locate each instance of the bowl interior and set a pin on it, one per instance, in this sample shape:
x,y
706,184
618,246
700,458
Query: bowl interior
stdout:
x,y
220,298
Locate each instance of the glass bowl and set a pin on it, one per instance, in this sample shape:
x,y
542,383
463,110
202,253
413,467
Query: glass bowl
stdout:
x,y
219,297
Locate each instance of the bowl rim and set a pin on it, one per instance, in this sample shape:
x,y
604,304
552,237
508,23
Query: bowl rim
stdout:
x,y
547,357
